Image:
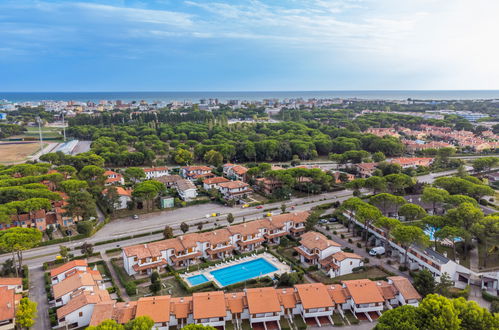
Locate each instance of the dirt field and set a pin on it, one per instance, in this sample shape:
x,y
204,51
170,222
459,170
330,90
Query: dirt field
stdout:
x,y
14,153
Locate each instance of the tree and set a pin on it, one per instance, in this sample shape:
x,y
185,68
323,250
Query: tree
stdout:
x,y
474,317
376,183
350,206
411,212
283,208
424,282
397,183
168,232
433,223
485,164
200,225
184,227
214,158
73,185
407,236
26,313
148,191
464,216
63,251
367,214
378,157
387,224
87,249
140,323
437,313
155,286
487,231
384,200
434,196
112,199
94,175
81,205
444,285
451,233
182,156
135,174
107,325
18,239
400,318
84,227
230,218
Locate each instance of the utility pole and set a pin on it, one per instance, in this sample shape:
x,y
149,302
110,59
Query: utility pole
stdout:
x,y
39,121
63,127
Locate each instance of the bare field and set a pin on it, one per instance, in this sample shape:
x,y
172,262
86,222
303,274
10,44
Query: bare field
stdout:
x,y
14,153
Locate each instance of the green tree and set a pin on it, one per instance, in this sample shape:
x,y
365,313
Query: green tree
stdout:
x,y
438,313
135,174
94,175
444,285
465,216
63,251
384,200
230,218
155,286
378,156
400,318
111,199
387,224
411,212
168,232
184,227
487,231
433,223
18,239
198,327
451,233
107,325
434,196
424,282
73,185
87,249
140,323
376,183
474,317
81,205
26,313
407,236
485,164
214,158
182,156
367,214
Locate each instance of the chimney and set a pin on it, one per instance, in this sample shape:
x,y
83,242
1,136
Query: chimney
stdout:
x,y
9,305
145,246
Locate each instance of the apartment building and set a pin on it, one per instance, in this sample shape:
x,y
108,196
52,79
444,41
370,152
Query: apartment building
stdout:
x,y
186,189
235,172
62,272
366,170
234,189
9,301
195,172
155,172
12,283
213,183
78,312
263,307
125,197
217,244
412,162
75,284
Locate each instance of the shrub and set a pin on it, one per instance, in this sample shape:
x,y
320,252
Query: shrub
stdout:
x,y
402,268
350,240
494,306
342,236
388,262
359,245
378,256
313,268
366,260
111,289
131,288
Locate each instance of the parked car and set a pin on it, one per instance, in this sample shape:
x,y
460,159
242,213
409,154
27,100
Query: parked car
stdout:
x,y
259,207
379,250
333,219
323,221
135,217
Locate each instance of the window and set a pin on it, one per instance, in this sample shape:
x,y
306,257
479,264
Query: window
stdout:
x,y
80,314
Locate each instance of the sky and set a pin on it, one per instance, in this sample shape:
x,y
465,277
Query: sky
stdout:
x,y
248,45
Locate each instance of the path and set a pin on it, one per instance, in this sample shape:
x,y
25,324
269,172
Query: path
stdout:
x,y
115,276
37,294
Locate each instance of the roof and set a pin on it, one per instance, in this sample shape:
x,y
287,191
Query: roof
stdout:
x,y
263,300
340,256
108,173
11,281
287,297
157,308
73,282
314,295
236,301
102,311
386,290
69,265
7,304
246,228
208,304
295,217
337,293
120,191
239,170
363,291
196,168
181,307
215,180
168,178
314,240
233,184
81,300
404,286
156,169
184,184
124,311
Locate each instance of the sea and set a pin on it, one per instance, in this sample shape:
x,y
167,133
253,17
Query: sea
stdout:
x,y
252,95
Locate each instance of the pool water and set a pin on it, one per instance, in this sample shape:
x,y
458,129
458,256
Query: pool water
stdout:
x,y
197,279
243,271
430,232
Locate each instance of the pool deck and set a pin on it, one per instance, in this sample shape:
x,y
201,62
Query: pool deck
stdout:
x,y
281,268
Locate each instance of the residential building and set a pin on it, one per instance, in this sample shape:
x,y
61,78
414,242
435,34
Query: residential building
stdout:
x,y
236,190
366,170
75,284
341,263
209,308
405,292
155,172
9,300
125,197
157,308
169,180
35,219
196,172
364,297
263,306
113,178
212,183
12,283
268,185
78,312
315,303
217,244
60,273
235,172
412,162
186,190
315,247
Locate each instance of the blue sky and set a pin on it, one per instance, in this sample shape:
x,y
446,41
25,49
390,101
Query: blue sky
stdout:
x,y
167,45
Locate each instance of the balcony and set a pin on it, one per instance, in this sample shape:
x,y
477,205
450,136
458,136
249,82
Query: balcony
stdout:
x,y
221,249
306,254
181,257
275,234
251,241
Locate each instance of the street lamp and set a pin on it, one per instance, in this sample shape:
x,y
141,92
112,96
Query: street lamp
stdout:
x,y
39,121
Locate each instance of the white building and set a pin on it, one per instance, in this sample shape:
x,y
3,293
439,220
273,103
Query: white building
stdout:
x,y
186,190
155,172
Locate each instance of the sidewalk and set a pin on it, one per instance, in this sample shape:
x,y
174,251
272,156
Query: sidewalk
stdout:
x,y
116,279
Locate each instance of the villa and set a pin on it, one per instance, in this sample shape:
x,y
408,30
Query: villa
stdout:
x,y
155,172
212,183
235,172
12,283
75,284
234,189
195,172
113,178
62,272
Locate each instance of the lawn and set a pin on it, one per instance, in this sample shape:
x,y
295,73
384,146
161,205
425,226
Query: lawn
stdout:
x,y
298,322
17,152
370,273
170,286
351,318
492,259
337,320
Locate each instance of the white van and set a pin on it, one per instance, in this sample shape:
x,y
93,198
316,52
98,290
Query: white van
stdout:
x,y
379,250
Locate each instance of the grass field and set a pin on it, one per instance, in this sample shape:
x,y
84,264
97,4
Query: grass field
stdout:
x,y
13,153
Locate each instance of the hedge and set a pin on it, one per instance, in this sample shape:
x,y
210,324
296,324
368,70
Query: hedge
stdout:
x,y
25,277
199,287
489,297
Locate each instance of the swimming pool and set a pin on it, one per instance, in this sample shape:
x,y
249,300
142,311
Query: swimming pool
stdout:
x,y
430,232
243,271
197,279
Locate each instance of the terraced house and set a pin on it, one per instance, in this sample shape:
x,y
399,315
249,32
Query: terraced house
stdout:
x,y
187,249
263,308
